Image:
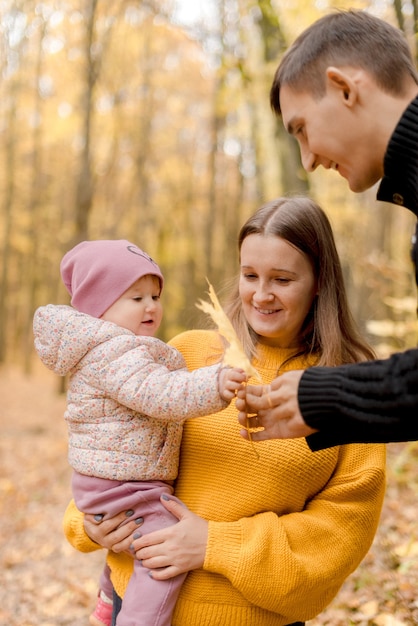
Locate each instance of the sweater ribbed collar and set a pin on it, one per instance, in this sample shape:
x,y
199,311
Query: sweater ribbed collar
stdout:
x,y
272,358
399,184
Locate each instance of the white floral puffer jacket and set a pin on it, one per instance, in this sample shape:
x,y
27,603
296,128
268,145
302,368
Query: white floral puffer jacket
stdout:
x,y
127,395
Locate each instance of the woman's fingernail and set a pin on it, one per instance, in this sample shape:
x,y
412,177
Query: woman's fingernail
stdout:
x,y
165,497
129,513
99,517
139,520
137,535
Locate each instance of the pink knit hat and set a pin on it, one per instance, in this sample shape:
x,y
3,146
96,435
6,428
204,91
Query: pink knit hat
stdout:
x,y
97,273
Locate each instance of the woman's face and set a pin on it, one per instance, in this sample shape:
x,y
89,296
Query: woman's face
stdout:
x,y
277,287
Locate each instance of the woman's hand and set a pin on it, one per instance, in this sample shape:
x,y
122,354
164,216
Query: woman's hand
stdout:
x,y
276,409
112,533
176,549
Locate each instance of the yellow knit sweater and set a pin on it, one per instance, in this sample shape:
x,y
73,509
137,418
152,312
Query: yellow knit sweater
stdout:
x,y
285,529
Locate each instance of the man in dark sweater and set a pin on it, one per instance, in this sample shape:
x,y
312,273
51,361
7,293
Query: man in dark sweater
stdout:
x,y
347,90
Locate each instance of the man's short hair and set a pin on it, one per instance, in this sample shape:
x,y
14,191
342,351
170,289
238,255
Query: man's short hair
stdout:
x,y
354,38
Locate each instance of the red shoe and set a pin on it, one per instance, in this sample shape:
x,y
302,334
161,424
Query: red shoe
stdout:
x,y
102,614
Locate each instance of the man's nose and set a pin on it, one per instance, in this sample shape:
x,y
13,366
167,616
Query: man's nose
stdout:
x,y
308,160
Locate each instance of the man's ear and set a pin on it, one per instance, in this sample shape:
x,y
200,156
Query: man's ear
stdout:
x,y
344,83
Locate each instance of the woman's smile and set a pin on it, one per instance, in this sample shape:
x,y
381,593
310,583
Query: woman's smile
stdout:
x,y
265,311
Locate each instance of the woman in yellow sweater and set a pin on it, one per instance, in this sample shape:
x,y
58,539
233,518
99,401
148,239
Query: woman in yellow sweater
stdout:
x,y
270,531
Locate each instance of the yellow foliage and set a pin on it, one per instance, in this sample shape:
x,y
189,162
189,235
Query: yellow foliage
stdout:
x,y
234,354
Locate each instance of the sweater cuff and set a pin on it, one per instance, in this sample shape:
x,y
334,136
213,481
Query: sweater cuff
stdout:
x,y
73,526
318,395
318,398
223,548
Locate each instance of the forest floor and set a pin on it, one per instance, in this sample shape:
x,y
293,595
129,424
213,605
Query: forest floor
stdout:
x,y
45,582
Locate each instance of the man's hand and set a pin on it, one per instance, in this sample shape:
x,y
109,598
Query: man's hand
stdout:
x,y
274,408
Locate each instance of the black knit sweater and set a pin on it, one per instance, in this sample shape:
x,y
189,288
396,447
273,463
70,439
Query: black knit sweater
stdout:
x,y
376,401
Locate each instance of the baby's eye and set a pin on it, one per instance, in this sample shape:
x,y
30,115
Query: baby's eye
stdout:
x,y
156,298
138,298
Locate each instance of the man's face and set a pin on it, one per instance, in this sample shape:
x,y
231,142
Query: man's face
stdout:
x,y
333,134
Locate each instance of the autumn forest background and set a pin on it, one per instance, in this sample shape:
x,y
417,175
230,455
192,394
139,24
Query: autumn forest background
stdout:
x,y
150,120
134,120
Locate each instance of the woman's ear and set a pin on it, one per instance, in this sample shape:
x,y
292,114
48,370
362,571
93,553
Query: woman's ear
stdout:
x,y
344,82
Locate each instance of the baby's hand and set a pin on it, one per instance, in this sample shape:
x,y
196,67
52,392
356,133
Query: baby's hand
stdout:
x,y
230,380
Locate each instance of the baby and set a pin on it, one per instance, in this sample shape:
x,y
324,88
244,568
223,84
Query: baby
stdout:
x,y
128,394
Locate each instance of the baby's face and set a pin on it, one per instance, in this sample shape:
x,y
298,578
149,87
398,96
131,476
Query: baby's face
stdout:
x,y
139,309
